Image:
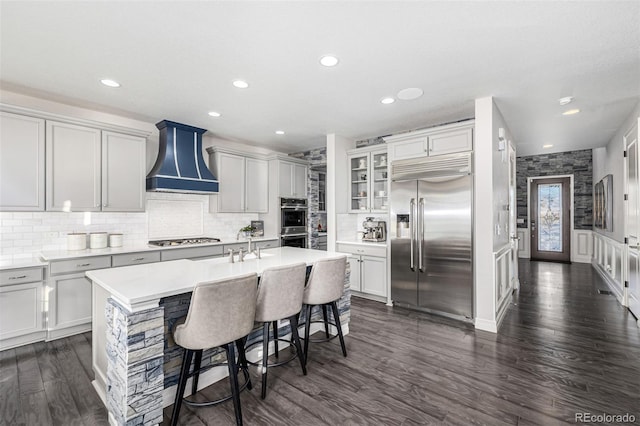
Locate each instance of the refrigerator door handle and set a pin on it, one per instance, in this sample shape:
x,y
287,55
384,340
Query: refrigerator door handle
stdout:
x,y
420,234
412,229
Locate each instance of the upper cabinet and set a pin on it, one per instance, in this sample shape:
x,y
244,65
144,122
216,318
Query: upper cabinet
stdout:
x,y
22,163
93,170
368,180
457,137
244,181
292,178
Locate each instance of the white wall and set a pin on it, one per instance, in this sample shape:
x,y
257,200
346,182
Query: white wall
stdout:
x,y
491,220
337,190
610,160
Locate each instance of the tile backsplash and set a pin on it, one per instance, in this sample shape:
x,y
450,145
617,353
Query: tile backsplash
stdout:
x,y
25,234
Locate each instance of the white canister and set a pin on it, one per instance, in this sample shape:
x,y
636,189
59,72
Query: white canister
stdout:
x,y
76,241
115,240
98,240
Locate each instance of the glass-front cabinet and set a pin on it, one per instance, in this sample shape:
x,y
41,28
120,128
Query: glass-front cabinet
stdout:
x,y
368,175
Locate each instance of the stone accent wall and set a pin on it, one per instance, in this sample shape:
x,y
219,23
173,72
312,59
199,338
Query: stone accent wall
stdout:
x,y
316,157
135,359
576,163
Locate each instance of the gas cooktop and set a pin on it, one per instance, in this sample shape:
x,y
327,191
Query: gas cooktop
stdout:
x,y
184,241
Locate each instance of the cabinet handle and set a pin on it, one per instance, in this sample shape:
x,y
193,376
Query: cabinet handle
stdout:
x,y
18,278
104,205
80,265
137,259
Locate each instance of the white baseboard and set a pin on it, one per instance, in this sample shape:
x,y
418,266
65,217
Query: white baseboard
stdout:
x,y
613,286
486,325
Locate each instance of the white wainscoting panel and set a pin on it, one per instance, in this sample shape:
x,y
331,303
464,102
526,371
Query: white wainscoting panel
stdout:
x,y
609,260
523,243
502,281
581,246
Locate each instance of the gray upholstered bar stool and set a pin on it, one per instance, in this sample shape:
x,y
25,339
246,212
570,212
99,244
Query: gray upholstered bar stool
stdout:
x,y
279,297
221,313
325,287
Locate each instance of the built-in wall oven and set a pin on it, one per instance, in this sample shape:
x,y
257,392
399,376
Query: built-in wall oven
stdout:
x,y
293,222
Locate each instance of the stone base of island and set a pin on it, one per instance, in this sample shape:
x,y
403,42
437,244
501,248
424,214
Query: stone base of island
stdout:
x,y
135,360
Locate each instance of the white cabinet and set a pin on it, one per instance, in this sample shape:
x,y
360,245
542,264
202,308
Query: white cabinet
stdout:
x,y
244,182
73,167
22,163
90,170
457,137
368,269
193,253
69,298
123,172
368,186
292,179
21,307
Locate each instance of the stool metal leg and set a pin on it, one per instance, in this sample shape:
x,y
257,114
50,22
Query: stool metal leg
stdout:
x,y
242,360
233,379
336,318
265,357
307,327
296,341
182,384
275,337
326,320
196,371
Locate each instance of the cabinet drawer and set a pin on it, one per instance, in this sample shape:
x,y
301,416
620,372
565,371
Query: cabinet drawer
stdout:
x,y
19,276
79,265
135,258
361,249
191,253
268,244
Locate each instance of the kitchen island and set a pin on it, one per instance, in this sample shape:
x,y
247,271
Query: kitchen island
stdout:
x,y
135,360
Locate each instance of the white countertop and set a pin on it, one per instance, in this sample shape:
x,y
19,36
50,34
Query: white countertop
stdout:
x,y
73,254
363,243
27,262
141,287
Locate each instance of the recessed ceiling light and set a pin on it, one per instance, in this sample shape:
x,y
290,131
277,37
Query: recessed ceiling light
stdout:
x,y
387,101
547,145
279,132
566,100
410,93
329,61
571,112
241,84
214,114
110,83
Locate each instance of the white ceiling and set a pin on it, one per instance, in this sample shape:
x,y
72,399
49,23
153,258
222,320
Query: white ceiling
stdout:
x,y
176,60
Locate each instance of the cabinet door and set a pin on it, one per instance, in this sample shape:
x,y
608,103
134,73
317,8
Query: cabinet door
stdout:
x,y
73,167
123,172
300,180
231,174
450,142
21,163
285,176
256,186
71,304
359,182
354,278
20,309
374,275
409,149
379,182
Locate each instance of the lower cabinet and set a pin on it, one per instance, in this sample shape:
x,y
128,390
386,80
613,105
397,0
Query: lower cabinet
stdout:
x,y
368,266
21,307
68,301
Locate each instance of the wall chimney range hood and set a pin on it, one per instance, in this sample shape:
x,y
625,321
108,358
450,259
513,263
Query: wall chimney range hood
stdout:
x,y
180,166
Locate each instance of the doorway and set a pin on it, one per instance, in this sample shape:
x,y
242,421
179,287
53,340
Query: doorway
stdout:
x,y
632,220
550,219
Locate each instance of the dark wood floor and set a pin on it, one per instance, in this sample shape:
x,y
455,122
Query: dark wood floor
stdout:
x,y
563,348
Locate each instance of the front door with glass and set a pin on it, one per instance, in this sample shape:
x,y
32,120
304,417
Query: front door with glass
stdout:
x,y
550,219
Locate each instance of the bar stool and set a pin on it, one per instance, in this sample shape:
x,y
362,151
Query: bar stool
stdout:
x,y
325,287
221,313
280,296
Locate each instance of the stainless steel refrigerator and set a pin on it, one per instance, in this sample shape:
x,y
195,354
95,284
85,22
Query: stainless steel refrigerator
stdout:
x,y
431,234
